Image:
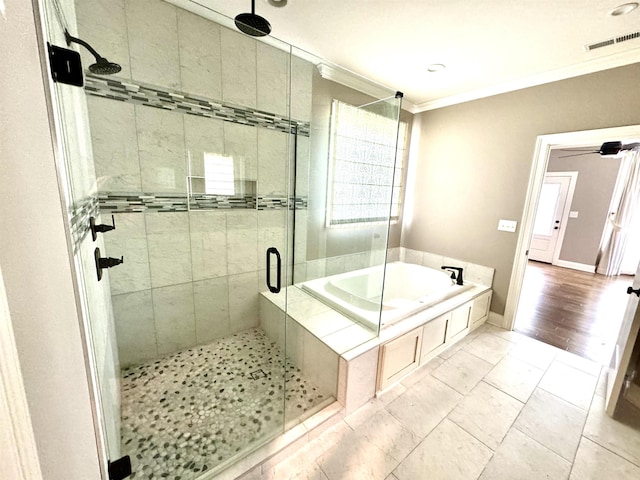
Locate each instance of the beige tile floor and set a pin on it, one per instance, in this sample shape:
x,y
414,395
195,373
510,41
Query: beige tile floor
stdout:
x,y
498,405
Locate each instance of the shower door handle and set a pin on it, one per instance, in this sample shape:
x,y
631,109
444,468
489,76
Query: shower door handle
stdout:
x,y
272,289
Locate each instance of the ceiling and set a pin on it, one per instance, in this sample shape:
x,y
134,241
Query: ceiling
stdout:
x,y
488,46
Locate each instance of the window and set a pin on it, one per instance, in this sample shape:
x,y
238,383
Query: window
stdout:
x,y
218,174
363,176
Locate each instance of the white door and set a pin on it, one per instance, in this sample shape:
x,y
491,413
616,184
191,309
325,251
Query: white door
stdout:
x,y
627,338
549,216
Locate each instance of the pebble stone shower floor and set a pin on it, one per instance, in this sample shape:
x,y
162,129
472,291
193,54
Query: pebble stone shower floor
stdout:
x,y
186,413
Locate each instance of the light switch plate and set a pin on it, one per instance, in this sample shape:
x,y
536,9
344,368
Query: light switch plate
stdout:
x,y
573,214
507,225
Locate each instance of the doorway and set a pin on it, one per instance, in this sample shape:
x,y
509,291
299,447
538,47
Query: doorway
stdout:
x,y
563,301
551,216
570,297
576,311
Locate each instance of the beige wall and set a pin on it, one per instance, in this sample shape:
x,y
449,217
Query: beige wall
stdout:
x,y
474,159
34,258
594,187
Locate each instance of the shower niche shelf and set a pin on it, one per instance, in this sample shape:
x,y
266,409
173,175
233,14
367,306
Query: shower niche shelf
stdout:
x,y
197,185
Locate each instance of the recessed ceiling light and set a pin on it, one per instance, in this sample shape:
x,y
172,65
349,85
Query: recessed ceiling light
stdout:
x,y
624,9
436,67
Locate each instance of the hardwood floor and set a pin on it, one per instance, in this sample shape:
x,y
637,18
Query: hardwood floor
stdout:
x,y
577,311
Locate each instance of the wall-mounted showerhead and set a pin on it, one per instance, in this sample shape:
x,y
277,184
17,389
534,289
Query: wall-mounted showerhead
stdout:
x,y
253,24
102,65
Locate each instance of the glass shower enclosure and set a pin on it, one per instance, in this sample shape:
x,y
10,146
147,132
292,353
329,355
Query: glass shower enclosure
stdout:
x,y
196,198
195,183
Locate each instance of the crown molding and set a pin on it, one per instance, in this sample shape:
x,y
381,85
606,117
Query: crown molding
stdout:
x,y
358,82
591,66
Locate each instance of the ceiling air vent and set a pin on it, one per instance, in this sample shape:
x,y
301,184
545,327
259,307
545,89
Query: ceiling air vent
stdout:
x,y
630,36
612,41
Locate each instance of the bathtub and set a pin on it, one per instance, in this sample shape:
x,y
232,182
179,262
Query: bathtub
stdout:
x,y
408,289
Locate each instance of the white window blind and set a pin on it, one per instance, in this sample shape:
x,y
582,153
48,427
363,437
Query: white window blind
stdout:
x,y
218,174
362,158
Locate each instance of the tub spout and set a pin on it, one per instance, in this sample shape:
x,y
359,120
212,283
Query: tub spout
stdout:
x,y
458,277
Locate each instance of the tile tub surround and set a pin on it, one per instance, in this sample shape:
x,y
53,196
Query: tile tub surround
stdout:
x,y
323,267
190,412
344,357
483,434
474,273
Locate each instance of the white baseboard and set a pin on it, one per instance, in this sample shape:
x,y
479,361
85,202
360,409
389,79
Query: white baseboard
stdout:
x,y
583,267
496,319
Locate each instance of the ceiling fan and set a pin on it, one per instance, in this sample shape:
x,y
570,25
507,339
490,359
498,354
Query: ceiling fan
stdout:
x,y
607,148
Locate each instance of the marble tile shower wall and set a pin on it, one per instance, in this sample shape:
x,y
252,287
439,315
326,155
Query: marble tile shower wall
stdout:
x,y
188,276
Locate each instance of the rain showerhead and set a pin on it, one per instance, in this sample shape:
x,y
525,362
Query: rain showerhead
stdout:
x,y
102,65
253,24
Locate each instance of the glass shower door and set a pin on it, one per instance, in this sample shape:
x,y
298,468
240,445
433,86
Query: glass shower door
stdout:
x,y
193,162
344,164
78,180
377,128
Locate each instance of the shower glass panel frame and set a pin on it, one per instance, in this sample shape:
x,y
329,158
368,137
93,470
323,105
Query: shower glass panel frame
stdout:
x,y
367,159
76,177
387,155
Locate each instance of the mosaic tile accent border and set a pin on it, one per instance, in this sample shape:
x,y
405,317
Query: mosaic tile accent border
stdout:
x,y
79,215
162,202
160,97
209,202
109,203
278,203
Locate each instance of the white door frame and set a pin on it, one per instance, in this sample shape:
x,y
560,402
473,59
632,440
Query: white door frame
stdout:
x,y
544,144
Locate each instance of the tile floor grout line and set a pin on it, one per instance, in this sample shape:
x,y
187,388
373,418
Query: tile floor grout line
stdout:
x,y
610,451
567,401
422,440
542,445
467,431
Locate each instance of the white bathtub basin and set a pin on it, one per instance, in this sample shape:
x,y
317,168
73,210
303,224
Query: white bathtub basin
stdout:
x,y
408,288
